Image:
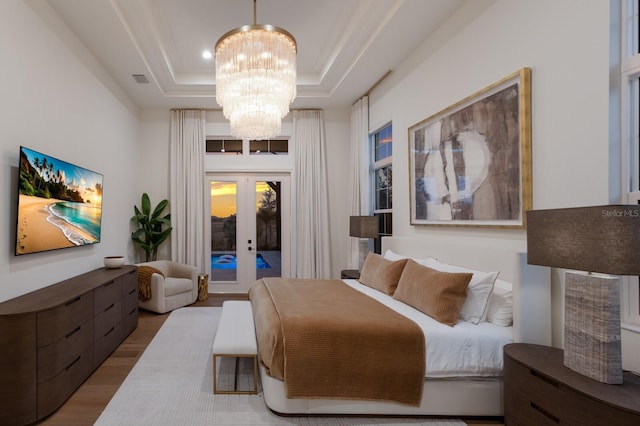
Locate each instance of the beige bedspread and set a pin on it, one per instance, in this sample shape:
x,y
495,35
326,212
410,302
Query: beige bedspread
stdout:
x,y
328,340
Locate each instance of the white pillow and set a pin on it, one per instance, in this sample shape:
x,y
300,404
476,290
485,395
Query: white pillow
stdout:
x,y
474,309
391,255
500,306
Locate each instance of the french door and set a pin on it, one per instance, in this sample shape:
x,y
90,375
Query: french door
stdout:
x,y
249,223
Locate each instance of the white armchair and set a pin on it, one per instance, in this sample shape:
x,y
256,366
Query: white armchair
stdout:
x,y
177,288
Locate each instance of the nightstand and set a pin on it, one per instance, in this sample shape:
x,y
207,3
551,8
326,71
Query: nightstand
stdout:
x,y
540,390
349,274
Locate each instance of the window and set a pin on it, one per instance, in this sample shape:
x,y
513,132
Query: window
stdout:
x,y
382,147
235,147
224,146
269,146
630,137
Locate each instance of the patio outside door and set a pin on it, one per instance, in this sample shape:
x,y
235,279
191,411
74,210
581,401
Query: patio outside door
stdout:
x,y
249,229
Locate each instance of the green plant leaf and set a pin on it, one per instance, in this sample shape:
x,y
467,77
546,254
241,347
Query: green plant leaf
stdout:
x,y
146,204
159,209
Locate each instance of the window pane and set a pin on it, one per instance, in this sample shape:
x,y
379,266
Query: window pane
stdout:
x,y
383,143
383,188
223,231
268,230
224,146
269,146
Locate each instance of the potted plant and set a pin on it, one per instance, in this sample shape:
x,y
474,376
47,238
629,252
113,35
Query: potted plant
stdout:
x,y
153,229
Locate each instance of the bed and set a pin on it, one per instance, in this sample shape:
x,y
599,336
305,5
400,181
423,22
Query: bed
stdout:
x,y
473,391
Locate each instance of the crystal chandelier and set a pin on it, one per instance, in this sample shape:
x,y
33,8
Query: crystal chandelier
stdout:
x,y
255,78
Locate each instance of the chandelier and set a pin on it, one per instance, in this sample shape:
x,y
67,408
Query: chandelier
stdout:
x,y
255,78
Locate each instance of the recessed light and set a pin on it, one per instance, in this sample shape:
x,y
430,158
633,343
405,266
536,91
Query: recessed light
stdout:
x,y
206,54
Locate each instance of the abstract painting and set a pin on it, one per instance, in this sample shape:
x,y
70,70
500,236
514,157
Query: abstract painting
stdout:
x,y
470,164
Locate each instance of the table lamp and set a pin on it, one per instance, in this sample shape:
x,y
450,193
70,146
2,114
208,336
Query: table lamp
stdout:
x,y
363,227
601,239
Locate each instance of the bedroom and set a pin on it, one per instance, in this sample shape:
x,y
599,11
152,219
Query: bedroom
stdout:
x,y
47,89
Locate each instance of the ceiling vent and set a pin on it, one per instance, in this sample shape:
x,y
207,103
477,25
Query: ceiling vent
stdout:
x,y
140,78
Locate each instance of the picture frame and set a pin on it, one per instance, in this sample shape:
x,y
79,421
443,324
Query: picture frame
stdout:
x,y
470,164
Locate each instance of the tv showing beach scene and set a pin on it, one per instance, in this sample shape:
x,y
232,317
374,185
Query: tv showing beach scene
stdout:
x,y
59,204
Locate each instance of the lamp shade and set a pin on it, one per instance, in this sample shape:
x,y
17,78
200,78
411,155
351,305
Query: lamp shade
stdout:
x,y
602,239
363,226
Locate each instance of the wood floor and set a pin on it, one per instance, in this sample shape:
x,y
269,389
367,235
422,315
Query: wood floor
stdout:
x,y
85,406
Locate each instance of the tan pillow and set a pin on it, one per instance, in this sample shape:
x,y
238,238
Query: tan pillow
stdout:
x,y
380,273
438,294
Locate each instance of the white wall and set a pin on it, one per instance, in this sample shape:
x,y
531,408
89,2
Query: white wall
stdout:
x,y
566,44
51,102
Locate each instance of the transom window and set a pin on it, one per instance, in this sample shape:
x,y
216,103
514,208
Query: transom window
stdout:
x,y
236,147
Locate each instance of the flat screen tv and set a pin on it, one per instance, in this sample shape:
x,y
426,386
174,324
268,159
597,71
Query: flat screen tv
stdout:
x,y
59,204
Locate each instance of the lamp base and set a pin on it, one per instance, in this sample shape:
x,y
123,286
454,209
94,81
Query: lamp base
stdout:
x,y
363,250
592,336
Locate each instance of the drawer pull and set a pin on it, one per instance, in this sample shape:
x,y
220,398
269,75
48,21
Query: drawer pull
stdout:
x,y
72,301
72,362
110,307
133,311
72,332
110,331
133,290
109,283
544,378
544,412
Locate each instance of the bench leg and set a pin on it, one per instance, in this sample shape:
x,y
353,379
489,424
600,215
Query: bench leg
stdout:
x,y
237,361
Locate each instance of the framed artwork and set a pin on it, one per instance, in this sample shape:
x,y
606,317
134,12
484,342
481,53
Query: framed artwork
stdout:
x,y
470,164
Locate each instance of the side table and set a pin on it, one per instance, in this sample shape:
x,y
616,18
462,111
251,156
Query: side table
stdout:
x,y
540,390
349,274
203,287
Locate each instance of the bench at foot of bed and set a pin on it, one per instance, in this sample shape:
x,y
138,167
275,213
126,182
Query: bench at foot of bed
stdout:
x,y
235,338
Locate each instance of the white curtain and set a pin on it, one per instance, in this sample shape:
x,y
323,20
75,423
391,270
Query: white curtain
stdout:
x,y
358,175
187,187
312,208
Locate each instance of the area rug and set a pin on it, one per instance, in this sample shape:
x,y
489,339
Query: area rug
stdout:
x,y
172,384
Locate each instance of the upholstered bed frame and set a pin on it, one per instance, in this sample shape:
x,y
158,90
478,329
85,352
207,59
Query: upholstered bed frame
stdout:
x,y
450,397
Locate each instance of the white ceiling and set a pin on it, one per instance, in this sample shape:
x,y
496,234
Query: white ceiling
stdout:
x,y
344,46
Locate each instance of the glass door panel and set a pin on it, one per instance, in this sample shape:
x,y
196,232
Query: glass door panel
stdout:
x,y
268,229
224,211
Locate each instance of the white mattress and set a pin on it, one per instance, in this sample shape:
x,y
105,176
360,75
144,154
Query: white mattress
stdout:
x,y
466,350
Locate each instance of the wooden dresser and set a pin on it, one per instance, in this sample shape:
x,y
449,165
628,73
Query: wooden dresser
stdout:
x,y
52,339
540,390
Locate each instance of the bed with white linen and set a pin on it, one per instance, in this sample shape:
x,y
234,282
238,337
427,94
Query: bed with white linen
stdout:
x,y
463,375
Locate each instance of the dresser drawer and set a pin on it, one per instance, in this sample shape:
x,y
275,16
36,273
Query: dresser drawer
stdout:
x,y
130,283
55,323
530,384
519,411
129,321
579,409
106,319
107,294
57,356
53,392
107,343
129,302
